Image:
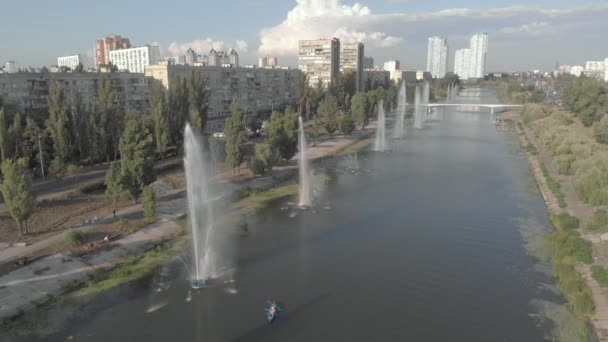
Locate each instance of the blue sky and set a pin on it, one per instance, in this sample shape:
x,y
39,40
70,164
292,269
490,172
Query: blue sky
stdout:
x,y
522,35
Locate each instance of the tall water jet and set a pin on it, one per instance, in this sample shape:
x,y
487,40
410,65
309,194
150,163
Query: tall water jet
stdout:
x,y
418,108
305,191
380,143
399,129
200,212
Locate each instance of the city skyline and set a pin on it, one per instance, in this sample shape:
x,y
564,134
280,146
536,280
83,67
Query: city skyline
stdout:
x,y
385,27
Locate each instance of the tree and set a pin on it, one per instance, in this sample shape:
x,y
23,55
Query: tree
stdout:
x,y
197,100
283,133
267,155
346,85
159,116
179,109
328,111
4,136
79,122
234,131
79,68
34,142
306,95
136,150
358,107
347,124
254,122
17,191
16,134
57,123
149,204
113,183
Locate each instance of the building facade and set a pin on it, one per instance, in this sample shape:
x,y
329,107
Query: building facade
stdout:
x,y
257,89
268,62
394,69
437,57
479,51
375,77
135,59
28,92
351,58
71,61
10,67
104,46
595,69
462,63
368,62
320,60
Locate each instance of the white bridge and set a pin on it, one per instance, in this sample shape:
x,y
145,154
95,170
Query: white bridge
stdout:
x,y
482,105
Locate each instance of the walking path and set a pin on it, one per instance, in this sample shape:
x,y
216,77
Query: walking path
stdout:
x,y
27,287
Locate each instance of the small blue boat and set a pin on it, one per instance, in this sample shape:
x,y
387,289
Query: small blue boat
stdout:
x,y
272,311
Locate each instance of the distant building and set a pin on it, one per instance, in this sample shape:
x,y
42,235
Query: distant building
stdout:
x,y
104,46
368,62
351,58
71,61
10,67
257,89
190,57
176,60
135,59
394,69
471,62
576,70
437,57
373,78
595,69
320,60
233,58
28,91
267,62
462,63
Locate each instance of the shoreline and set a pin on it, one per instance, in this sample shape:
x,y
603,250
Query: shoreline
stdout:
x,y
60,276
597,319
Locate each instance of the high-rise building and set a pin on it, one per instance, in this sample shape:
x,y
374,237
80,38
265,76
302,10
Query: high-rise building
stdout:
x,y
135,59
394,69
71,61
595,69
320,60
368,62
479,50
267,62
351,58
576,70
462,63
104,46
437,57
10,67
233,58
190,57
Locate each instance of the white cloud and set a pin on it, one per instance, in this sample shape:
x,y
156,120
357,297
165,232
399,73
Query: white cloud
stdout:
x,y
533,29
202,46
311,19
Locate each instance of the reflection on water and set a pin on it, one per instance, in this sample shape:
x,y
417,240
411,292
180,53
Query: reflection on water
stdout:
x,y
435,241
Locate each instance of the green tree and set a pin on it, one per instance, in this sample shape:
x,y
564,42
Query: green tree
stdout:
x,y
57,123
197,100
149,204
4,136
136,150
179,109
234,131
346,85
79,68
79,121
16,134
267,154
347,124
358,107
306,95
328,111
283,133
17,191
113,183
159,116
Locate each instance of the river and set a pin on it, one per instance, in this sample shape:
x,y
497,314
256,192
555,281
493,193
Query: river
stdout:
x,y
423,243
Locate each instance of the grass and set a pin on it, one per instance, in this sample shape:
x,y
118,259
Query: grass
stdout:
x,y
600,274
554,186
599,223
73,237
565,221
131,269
531,149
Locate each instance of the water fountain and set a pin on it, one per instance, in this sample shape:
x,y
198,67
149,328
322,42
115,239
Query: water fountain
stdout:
x,y
418,108
426,97
399,130
200,213
305,191
380,143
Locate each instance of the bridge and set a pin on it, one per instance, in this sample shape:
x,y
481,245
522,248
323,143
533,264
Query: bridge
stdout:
x,y
482,105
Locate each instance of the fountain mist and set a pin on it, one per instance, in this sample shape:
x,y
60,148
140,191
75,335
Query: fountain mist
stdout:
x,y
418,109
380,143
200,213
305,197
399,130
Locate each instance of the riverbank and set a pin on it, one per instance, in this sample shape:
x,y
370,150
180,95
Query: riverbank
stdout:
x,y
137,254
574,250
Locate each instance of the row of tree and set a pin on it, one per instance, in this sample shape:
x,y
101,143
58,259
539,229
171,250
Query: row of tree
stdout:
x,y
586,97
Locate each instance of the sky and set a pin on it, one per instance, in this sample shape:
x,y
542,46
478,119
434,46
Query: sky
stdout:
x,y
522,35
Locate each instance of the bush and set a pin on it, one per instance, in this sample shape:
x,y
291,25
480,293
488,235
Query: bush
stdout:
x,y
600,222
564,221
347,124
73,237
570,246
257,166
600,274
268,155
600,129
73,170
531,149
149,204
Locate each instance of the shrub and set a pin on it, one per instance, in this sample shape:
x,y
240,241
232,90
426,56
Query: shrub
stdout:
x,y
564,221
149,204
347,124
600,274
257,166
599,222
569,245
73,237
72,169
600,130
531,149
